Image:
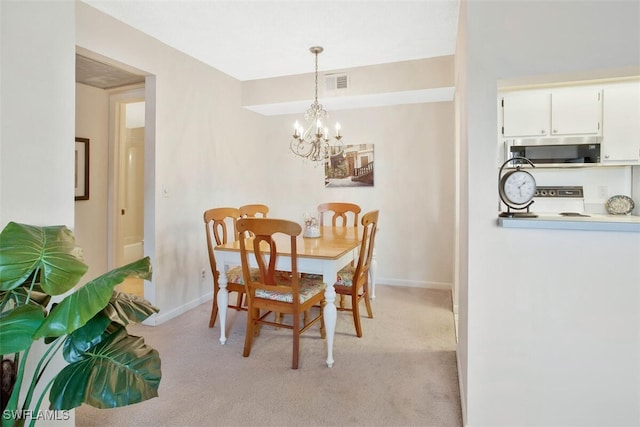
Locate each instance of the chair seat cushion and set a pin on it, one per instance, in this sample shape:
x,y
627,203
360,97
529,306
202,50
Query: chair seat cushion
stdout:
x,y
308,288
234,275
345,276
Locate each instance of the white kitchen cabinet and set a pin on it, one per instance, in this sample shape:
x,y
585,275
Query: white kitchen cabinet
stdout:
x,y
526,114
552,113
621,124
576,111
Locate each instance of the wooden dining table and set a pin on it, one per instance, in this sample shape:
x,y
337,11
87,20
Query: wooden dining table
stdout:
x,y
325,255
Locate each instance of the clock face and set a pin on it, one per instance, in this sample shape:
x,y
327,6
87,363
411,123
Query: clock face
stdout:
x,y
518,187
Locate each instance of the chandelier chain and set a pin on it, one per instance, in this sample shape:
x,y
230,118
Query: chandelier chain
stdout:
x,y
316,77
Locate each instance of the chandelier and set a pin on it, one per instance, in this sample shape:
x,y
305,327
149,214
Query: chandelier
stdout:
x,y
312,142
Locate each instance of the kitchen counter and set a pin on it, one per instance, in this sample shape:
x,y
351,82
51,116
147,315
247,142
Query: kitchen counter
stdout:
x,y
594,222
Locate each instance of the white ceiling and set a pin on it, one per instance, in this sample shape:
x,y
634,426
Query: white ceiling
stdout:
x,y
265,38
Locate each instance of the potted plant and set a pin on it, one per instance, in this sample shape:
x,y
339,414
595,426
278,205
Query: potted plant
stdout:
x,y
106,367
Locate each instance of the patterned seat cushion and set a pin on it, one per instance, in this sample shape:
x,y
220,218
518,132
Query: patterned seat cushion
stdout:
x,y
345,276
308,288
234,275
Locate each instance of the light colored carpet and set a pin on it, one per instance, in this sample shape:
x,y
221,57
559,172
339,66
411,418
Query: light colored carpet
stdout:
x,y
402,372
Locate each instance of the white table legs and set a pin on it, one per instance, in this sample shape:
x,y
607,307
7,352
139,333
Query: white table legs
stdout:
x,y
373,269
223,303
330,316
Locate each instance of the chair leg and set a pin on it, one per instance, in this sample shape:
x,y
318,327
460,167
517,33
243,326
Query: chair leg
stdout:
x,y
323,331
240,300
248,338
214,307
356,312
296,341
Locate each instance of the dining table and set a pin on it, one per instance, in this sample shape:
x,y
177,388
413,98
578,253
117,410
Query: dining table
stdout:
x,y
324,255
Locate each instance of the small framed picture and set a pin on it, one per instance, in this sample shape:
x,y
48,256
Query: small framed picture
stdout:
x,y
82,169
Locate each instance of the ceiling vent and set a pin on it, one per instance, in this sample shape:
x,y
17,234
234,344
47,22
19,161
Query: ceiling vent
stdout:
x,y
336,82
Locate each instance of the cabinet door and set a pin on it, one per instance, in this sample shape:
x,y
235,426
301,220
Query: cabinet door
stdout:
x,y
525,114
621,124
576,112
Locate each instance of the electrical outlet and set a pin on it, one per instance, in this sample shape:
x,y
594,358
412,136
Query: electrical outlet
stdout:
x,y
203,274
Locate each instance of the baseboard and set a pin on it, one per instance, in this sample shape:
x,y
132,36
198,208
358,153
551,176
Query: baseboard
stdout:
x,y
414,283
160,318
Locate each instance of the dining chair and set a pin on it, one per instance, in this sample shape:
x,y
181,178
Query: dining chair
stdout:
x,y
255,210
340,211
352,280
220,226
274,292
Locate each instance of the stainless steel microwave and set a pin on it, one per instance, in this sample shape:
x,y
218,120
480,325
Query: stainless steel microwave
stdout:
x,y
547,153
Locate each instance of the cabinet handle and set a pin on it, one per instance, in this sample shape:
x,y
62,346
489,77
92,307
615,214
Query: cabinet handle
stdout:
x,y
555,131
606,156
542,132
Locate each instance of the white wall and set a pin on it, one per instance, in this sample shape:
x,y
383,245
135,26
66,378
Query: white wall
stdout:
x,y
37,133
37,153
553,327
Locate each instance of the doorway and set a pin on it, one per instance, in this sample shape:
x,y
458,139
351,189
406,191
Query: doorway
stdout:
x,y
128,126
128,160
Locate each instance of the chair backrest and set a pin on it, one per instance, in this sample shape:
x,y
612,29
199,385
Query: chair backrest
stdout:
x,y
369,229
263,230
252,211
339,210
216,222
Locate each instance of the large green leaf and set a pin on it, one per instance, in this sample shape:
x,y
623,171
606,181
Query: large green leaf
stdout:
x,y
120,371
18,326
76,309
82,339
27,248
126,308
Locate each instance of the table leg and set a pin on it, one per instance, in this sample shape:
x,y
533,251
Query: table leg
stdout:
x,y
330,316
373,269
223,303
